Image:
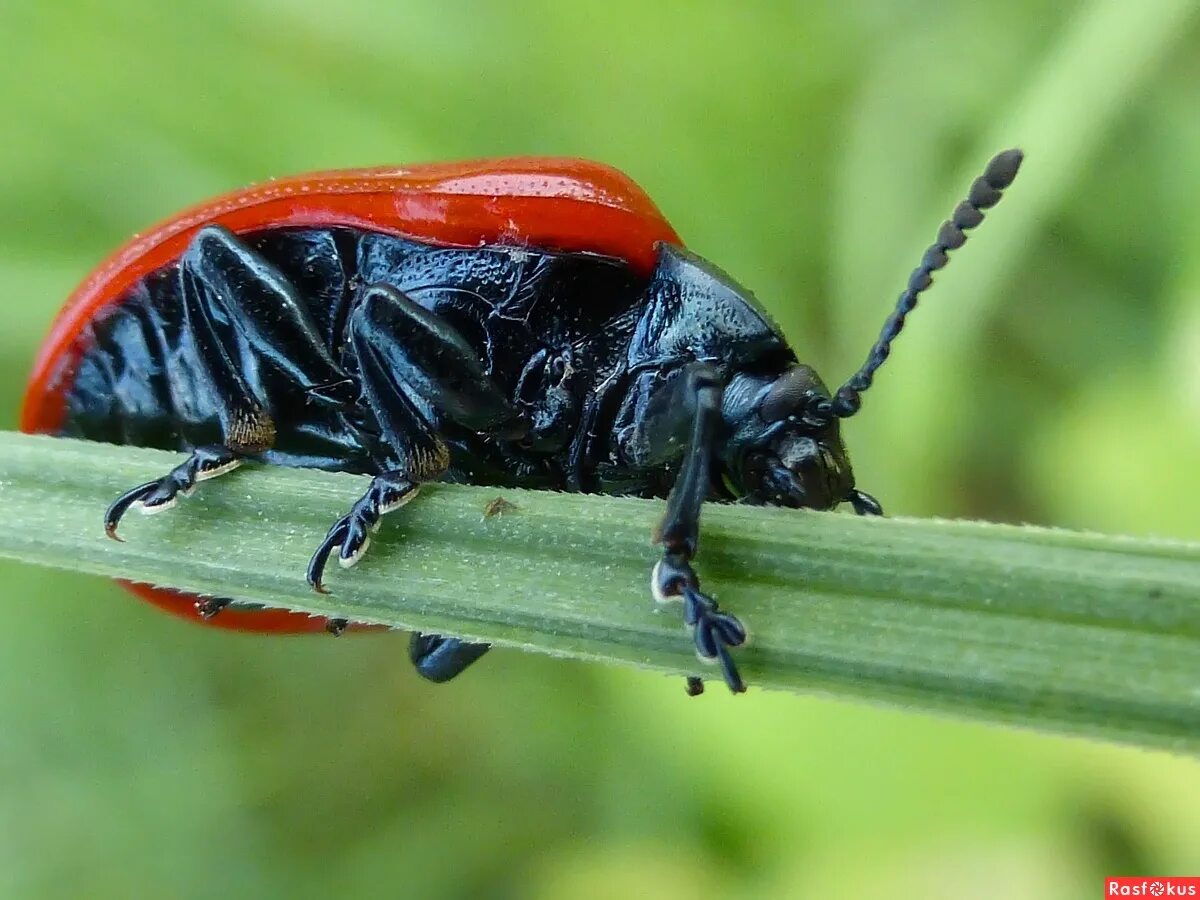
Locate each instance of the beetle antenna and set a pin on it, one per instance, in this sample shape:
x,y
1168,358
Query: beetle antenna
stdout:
x,y
985,193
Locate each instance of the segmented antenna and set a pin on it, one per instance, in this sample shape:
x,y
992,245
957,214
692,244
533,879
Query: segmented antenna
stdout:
x,y
985,193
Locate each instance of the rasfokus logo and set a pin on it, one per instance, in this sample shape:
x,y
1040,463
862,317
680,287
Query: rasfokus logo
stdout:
x,y
1162,886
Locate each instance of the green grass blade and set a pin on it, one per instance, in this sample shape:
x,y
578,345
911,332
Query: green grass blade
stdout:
x,y
1071,632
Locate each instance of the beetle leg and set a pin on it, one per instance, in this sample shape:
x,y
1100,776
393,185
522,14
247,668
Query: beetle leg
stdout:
x,y
251,329
674,578
864,504
155,496
441,658
383,330
351,534
404,351
411,361
240,314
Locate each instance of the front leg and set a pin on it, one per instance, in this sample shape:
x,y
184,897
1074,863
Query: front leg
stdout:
x,y
679,533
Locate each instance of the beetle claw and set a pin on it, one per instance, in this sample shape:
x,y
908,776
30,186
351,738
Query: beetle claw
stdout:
x,y
714,632
350,536
316,565
161,494
120,506
729,671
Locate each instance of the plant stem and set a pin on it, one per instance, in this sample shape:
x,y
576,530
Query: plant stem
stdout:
x,y
1071,632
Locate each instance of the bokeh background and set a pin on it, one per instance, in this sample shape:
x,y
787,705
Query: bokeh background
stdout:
x,y
810,149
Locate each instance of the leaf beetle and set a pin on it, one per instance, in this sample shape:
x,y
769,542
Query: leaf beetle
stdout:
x,y
528,322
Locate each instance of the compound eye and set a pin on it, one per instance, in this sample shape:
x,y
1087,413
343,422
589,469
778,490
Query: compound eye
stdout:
x,y
789,394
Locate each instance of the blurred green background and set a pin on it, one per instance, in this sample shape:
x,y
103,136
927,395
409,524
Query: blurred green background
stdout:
x,y
810,149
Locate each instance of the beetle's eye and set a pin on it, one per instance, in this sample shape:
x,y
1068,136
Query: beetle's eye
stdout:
x,y
787,395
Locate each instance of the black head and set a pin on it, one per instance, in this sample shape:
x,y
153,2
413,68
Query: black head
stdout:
x,y
778,453
786,446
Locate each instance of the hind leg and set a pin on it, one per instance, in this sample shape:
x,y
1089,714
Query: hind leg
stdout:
x,y
243,320
155,496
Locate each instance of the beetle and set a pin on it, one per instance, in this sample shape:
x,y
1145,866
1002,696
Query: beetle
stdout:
x,y
526,322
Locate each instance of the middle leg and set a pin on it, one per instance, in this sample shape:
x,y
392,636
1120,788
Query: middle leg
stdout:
x,y
155,496
415,370
351,534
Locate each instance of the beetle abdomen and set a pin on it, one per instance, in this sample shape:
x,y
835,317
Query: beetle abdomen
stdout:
x,y
145,379
121,393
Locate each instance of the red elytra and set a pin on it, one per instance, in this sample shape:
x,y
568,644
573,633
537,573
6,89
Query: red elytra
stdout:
x,y
539,202
259,621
